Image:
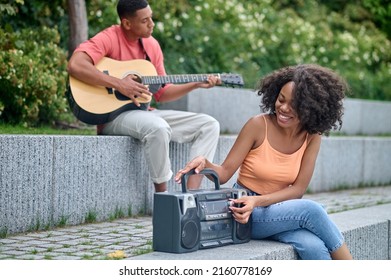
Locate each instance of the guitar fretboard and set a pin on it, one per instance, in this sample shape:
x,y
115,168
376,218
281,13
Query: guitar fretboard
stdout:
x,y
175,79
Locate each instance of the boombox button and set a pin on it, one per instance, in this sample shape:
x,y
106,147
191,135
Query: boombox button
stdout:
x,y
207,244
226,241
216,216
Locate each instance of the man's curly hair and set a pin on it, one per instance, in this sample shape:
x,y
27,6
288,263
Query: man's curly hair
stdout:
x,y
317,94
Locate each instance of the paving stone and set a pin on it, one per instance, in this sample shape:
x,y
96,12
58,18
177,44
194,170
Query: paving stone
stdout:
x,y
21,238
15,253
6,257
36,242
66,251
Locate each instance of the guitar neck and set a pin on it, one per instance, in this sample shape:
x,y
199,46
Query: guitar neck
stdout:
x,y
175,79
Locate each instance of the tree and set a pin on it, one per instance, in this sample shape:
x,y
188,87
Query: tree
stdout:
x,y
78,24
381,11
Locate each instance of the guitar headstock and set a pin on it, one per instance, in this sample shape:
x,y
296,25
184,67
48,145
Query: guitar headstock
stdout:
x,y
231,79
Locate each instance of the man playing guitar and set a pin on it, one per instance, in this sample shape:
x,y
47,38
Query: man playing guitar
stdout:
x,y
130,40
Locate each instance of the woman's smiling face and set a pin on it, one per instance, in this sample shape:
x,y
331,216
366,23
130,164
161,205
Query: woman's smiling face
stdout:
x,y
286,115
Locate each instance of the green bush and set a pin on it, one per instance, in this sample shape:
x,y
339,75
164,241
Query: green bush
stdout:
x,y
256,37
251,38
33,76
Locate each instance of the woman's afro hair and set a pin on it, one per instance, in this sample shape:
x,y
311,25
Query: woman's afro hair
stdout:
x,y
318,93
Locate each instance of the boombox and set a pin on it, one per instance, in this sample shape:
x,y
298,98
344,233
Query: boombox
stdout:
x,y
196,219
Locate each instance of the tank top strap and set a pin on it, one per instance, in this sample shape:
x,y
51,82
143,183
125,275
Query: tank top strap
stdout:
x,y
264,118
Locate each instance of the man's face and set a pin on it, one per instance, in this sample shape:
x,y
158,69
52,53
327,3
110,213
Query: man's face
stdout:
x,y
141,25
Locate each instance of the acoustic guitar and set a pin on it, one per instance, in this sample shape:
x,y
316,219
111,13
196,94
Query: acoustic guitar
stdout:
x,y
98,105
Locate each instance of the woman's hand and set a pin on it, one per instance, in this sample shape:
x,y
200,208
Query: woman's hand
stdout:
x,y
198,163
245,204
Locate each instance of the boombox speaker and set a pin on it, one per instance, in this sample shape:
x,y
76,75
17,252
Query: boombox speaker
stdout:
x,y
196,219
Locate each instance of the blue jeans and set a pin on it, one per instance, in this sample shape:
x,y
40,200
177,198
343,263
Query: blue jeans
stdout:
x,y
302,223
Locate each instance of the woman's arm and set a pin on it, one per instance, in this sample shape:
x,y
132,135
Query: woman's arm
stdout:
x,y
296,190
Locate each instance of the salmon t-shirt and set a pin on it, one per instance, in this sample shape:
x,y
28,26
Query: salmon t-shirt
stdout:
x,y
113,43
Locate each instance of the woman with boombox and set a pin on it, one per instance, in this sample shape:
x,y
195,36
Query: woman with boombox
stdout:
x,y
276,153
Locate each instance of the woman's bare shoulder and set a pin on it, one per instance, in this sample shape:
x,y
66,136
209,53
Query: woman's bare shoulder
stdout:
x,y
255,129
259,120
314,139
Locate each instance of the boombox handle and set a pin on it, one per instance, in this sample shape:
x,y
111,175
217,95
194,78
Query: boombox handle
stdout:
x,y
206,171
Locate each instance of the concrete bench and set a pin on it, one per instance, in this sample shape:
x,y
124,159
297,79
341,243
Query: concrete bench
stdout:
x,y
366,230
47,180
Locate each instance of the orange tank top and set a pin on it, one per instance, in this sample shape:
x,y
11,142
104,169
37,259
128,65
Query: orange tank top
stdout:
x,y
266,170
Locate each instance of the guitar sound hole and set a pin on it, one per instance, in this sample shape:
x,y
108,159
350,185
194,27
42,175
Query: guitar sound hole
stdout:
x,y
136,76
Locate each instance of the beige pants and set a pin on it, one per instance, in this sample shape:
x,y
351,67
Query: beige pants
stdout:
x,y
155,129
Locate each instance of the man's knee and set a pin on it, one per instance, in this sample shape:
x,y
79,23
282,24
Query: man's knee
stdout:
x,y
211,125
161,131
